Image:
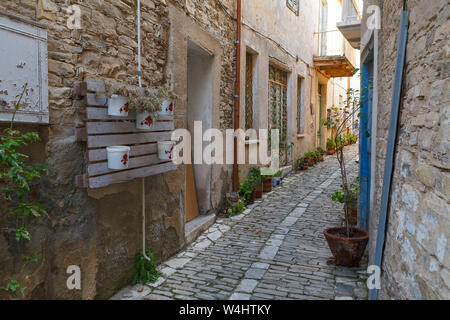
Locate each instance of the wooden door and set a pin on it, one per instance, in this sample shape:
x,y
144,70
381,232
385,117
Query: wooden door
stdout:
x,y
191,195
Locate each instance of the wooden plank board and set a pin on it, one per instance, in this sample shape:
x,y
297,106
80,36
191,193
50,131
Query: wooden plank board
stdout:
x,y
123,176
137,162
191,195
102,114
93,100
100,154
125,126
127,139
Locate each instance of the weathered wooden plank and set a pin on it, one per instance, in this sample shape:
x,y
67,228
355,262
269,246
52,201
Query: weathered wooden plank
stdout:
x,y
95,85
100,154
123,176
102,167
125,126
96,100
127,139
81,181
102,114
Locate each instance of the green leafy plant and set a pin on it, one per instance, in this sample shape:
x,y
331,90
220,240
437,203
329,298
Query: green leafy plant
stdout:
x,y
14,288
16,178
233,208
254,175
320,150
331,144
246,190
145,269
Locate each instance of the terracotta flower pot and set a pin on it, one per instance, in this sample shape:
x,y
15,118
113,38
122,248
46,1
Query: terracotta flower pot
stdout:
x,y
251,199
259,190
347,251
304,166
267,185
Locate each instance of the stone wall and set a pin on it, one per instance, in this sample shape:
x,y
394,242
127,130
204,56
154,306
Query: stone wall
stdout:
x,y
416,257
98,230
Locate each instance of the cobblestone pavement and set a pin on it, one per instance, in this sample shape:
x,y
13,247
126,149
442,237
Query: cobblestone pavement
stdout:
x,y
275,250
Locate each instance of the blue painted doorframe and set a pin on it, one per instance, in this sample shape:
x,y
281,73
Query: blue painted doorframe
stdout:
x,y
365,139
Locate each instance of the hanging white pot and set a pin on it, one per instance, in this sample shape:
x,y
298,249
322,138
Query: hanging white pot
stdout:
x,y
166,108
144,121
118,106
165,150
118,157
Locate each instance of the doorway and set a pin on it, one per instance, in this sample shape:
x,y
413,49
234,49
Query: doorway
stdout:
x,y
278,84
199,108
365,138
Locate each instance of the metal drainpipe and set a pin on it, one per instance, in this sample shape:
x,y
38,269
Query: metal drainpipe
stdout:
x,y
237,95
140,86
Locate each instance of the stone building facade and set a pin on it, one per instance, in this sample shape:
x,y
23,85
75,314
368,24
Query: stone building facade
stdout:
x,y
416,256
288,50
100,230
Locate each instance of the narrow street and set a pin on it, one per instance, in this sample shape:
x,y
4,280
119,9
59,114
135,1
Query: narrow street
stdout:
x,y
275,250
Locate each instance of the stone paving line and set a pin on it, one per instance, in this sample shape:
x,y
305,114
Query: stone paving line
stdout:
x,y
274,250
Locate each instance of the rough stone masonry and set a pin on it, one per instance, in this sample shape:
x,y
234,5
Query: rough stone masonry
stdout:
x,y
417,255
100,231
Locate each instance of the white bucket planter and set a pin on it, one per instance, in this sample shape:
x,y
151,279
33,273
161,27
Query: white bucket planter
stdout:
x,y
118,106
166,108
165,150
118,157
144,121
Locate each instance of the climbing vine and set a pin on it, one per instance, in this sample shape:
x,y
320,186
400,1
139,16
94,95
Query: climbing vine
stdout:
x,y
16,177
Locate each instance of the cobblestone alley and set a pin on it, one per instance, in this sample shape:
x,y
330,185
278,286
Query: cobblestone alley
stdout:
x,y
275,250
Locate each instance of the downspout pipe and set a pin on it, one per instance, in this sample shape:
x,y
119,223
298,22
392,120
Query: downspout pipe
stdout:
x,y
237,93
140,86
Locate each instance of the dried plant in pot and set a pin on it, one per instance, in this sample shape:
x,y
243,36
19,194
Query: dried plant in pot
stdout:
x,y
167,99
118,99
145,103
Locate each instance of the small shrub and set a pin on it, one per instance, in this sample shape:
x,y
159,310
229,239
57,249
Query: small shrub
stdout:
x,y
145,269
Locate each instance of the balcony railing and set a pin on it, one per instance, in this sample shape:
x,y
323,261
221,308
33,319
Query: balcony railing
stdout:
x,y
350,26
331,43
349,11
336,57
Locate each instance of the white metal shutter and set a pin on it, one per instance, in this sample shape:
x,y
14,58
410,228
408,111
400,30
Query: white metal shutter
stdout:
x,y
23,59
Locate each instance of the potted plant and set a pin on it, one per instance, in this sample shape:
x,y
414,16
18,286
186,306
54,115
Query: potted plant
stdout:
x,y
311,157
276,180
145,105
254,176
319,156
165,150
302,163
351,202
167,98
118,99
331,146
267,183
118,157
246,191
346,243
